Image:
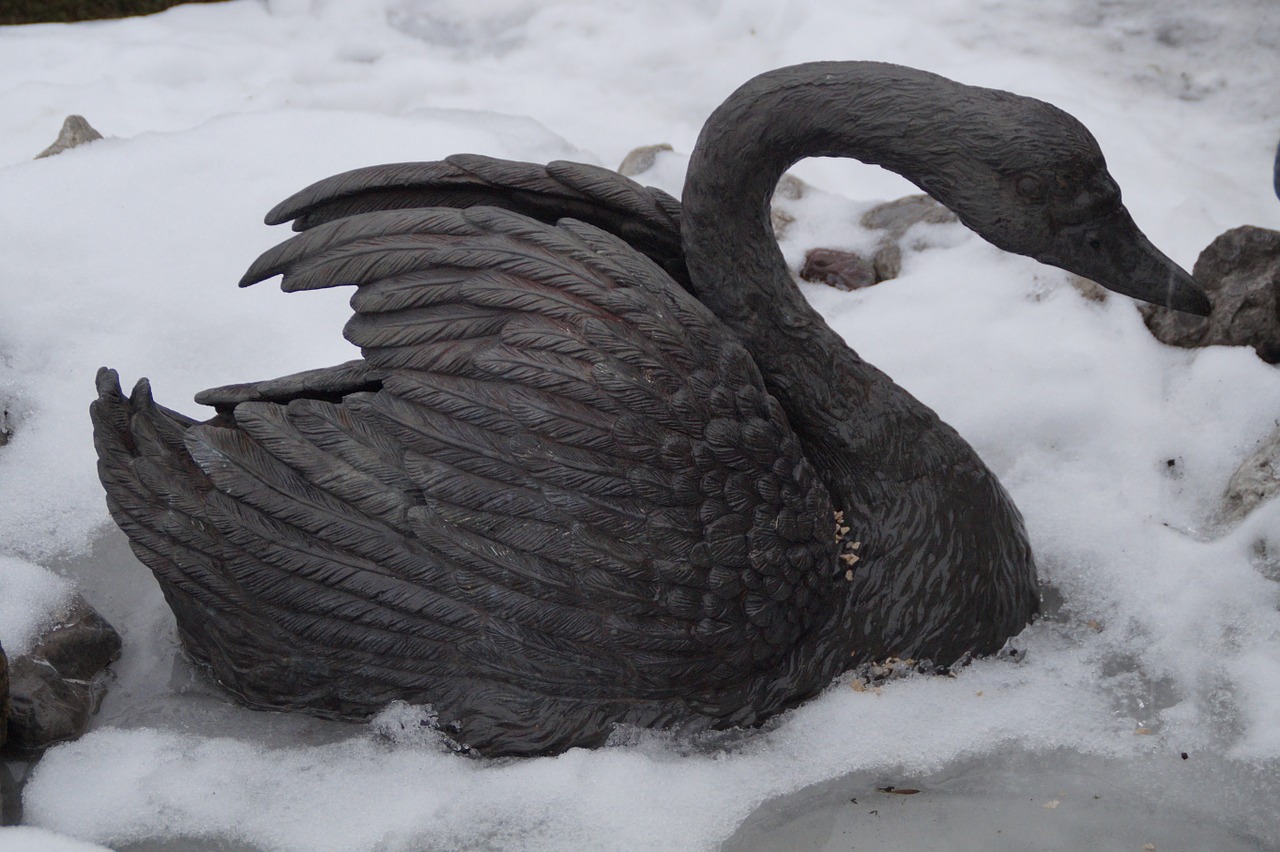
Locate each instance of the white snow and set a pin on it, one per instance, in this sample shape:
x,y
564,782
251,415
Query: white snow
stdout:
x,y
1161,634
30,597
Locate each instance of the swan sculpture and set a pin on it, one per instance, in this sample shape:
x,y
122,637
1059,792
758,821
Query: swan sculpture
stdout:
x,y
601,463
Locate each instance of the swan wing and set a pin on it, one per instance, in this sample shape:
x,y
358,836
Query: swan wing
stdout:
x,y
648,219
331,383
561,481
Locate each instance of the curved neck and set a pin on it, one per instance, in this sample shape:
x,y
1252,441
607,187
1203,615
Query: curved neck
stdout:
x,y
845,410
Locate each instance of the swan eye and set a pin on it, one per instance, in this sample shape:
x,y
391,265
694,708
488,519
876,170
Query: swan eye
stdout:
x,y
1030,186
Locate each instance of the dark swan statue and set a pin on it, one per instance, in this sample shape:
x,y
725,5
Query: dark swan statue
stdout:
x,y
601,463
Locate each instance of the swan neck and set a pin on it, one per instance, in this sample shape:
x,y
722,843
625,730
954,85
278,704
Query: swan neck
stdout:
x,y
936,531
848,109
879,114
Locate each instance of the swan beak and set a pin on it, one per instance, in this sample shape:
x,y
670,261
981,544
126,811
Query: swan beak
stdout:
x,y
1113,252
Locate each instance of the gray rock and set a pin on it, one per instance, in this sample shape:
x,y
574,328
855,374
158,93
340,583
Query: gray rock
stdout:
x,y
81,644
75,131
641,159
887,261
1255,480
1240,271
895,218
790,188
844,270
1091,290
850,270
44,707
56,687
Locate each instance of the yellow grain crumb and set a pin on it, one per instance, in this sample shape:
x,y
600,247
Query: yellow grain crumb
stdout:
x,y
1050,805
848,575
1142,730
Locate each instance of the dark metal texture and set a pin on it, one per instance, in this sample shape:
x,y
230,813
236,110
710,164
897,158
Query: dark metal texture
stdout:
x,y
560,492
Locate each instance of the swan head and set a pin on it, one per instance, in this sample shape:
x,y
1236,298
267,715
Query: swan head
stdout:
x,y
1032,180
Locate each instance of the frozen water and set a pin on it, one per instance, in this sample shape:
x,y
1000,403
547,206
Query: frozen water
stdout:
x,y
1161,635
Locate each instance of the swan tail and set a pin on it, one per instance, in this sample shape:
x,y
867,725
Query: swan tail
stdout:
x,y
244,549
154,491
648,219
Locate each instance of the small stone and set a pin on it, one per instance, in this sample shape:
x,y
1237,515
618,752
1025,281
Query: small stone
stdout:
x,y
44,708
55,688
1091,290
81,644
840,269
1256,479
1240,272
640,160
75,131
887,261
790,187
780,220
897,216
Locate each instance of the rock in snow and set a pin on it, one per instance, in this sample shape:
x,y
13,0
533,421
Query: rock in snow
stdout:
x,y
55,688
1240,270
75,131
846,270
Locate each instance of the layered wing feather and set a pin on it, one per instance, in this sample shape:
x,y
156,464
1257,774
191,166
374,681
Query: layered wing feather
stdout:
x,y
554,497
647,219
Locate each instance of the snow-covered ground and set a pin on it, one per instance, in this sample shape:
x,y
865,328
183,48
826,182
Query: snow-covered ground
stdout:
x,y
1143,708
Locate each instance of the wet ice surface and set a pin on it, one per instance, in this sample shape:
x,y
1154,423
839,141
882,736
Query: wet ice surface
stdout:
x,y
1056,800
1161,635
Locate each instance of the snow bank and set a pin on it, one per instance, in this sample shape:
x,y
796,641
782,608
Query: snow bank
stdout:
x,y
1160,635
30,597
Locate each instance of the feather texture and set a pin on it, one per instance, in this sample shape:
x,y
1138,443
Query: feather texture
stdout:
x,y
538,477
558,493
